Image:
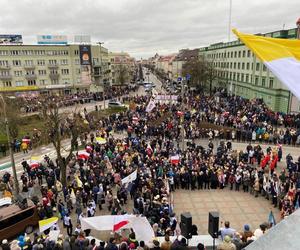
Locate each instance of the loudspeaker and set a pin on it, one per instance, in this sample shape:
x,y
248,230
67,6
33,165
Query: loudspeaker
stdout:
x,y
213,224
186,225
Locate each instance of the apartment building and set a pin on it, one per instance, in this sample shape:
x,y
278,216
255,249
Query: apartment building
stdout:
x,y
243,74
27,69
117,60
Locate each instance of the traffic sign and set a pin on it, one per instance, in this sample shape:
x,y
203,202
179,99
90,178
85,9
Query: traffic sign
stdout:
x,y
188,76
179,79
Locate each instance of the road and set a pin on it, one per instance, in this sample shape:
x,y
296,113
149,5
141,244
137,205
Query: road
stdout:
x,y
50,151
5,164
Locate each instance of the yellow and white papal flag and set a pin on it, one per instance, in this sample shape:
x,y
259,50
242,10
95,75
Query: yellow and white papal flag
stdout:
x,y
47,223
281,56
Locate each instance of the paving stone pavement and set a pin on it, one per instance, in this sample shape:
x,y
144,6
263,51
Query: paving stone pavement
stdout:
x,y
235,206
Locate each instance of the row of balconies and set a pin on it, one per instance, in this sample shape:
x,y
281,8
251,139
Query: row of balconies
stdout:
x,y
8,67
30,77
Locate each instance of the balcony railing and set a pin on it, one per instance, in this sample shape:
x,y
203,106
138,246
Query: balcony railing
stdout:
x,y
5,77
53,66
5,67
30,76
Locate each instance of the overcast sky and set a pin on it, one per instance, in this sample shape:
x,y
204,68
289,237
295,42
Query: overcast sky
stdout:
x,y
144,27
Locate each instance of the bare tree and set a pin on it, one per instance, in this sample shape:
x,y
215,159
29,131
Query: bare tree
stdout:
x,y
13,117
202,72
122,74
59,126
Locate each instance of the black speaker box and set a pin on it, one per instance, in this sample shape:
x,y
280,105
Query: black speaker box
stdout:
x,y
213,224
186,225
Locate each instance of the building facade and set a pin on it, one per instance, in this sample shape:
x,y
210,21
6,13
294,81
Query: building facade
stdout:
x,y
29,69
243,74
117,60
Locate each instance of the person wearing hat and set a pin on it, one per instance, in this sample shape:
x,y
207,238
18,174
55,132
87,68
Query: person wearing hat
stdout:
x,y
5,245
247,233
155,245
226,244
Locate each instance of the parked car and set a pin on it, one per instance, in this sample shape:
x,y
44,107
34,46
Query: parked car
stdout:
x,y
115,104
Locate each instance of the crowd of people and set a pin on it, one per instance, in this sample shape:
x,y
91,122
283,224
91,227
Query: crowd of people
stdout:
x,y
33,103
149,141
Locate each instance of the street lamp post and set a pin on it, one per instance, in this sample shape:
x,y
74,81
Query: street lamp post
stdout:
x,y
100,43
9,145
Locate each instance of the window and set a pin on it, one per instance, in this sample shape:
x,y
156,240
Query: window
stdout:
x,y
64,62
242,77
235,54
248,53
41,62
239,53
4,73
4,53
263,82
238,77
256,80
271,83
28,62
7,84
244,53
30,72
65,71
19,83
76,52
52,62
54,82
247,78
18,73
248,66
264,67
15,52
42,82
78,71
257,67
31,82
243,65
234,65
17,63
42,72
4,63
76,61
239,65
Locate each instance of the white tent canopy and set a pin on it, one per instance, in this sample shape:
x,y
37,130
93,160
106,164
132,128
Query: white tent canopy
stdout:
x,y
140,225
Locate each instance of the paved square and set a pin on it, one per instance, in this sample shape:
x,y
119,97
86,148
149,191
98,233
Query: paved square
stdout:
x,y
237,207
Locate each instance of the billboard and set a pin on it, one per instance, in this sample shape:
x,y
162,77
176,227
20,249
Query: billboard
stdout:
x,y
85,54
52,39
82,39
11,39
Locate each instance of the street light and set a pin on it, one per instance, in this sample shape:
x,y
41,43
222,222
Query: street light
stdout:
x,y
9,145
100,43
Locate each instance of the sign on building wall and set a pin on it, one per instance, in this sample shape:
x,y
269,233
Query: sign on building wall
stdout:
x,y
82,39
85,54
52,39
11,39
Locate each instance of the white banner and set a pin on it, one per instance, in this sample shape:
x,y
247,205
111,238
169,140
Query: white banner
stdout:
x,y
140,225
129,178
150,106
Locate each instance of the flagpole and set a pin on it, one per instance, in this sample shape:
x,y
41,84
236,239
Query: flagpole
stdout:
x,y
229,19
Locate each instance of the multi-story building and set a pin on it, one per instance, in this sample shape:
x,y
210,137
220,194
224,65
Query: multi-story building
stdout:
x,y
164,64
55,68
243,74
181,58
118,60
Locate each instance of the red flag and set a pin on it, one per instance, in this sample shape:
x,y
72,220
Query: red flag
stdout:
x,y
120,224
